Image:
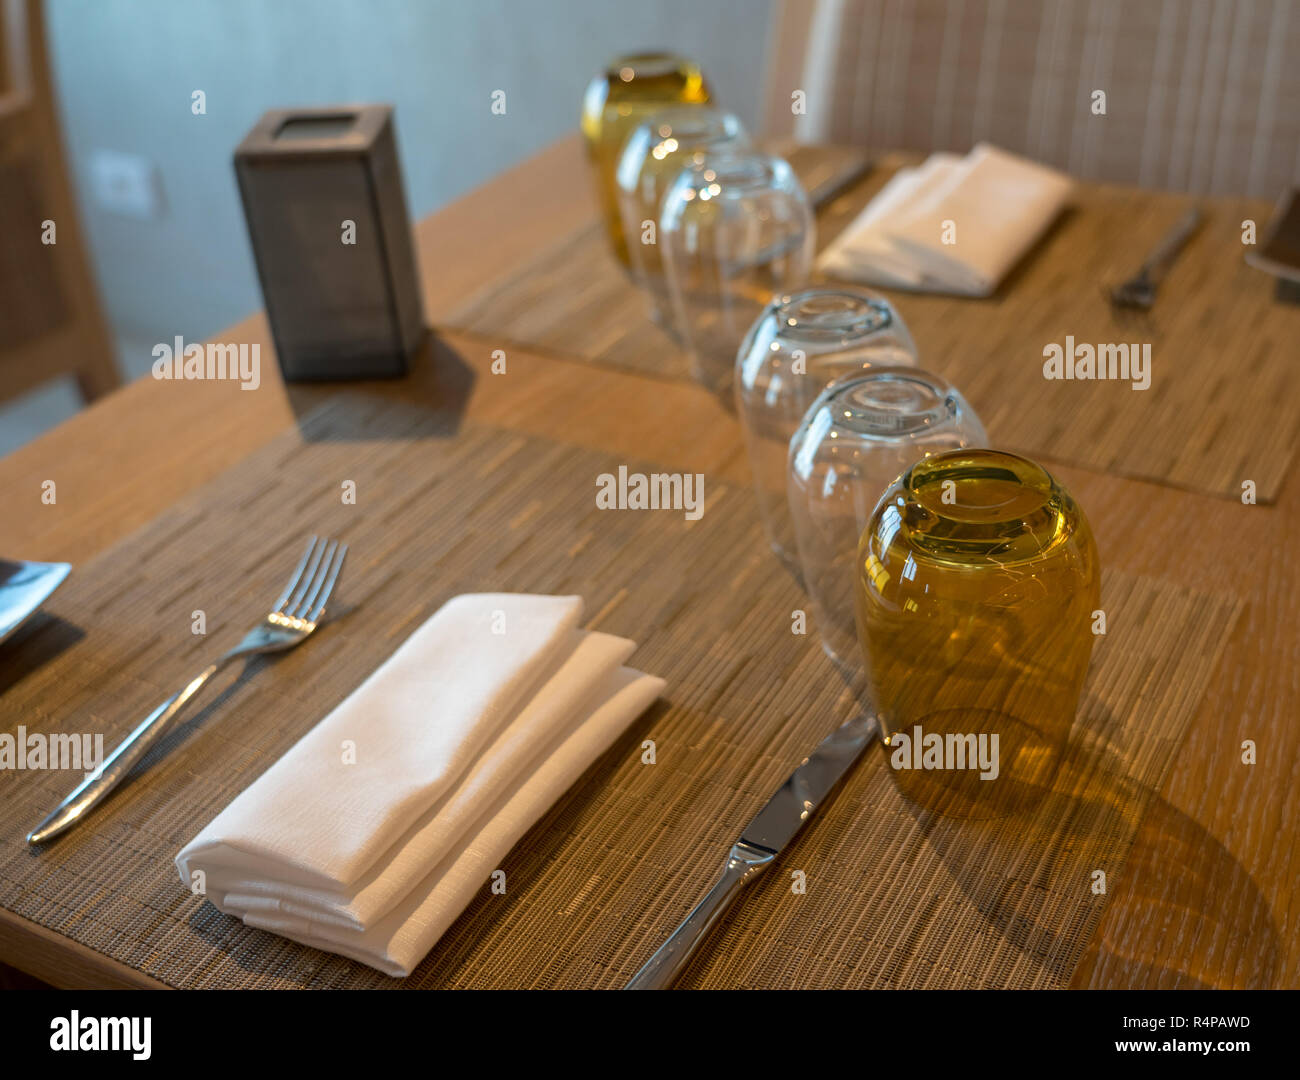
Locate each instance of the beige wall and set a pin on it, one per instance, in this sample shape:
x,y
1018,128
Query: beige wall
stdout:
x,y
125,70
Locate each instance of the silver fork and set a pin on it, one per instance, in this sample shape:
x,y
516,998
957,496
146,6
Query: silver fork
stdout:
x,y
1139,291
295,615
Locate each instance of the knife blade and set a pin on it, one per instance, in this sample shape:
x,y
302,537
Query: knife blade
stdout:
x,y
766,836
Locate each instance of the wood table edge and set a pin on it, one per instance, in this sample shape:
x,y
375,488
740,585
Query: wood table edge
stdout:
x,y
62,962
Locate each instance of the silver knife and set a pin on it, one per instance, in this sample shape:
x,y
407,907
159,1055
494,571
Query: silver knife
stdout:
x,y
765,837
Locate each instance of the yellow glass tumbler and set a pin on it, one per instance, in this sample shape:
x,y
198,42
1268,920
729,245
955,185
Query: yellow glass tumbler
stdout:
x,y
626,93
977,583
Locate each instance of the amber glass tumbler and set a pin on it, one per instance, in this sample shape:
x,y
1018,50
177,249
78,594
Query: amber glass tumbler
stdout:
x,y
625,94
977,578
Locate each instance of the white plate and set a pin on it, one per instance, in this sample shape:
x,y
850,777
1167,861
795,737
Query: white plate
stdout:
x,y
24,587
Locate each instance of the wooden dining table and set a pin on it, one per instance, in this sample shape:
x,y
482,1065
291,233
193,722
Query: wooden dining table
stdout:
x,y
1213,902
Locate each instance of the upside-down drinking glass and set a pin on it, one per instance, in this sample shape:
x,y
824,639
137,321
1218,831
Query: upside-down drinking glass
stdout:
x,y
976,587
620,98
799,345
652,157
860,435
736,230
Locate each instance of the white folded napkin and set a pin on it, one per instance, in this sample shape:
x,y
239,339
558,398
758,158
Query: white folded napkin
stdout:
x,y
999,205
375,830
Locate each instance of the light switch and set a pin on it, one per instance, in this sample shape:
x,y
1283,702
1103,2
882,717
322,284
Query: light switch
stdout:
x,y
126,184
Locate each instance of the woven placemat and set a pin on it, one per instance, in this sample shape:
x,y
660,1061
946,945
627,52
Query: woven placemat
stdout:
x,y
574,298
1223,407
894,897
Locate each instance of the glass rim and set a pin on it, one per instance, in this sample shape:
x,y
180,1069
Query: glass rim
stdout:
x,y
1026,518
699,123
739,172
658,62
1027,474
908,401
708,130
830,314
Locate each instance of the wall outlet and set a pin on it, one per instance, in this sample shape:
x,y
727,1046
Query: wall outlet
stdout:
x,y
126,184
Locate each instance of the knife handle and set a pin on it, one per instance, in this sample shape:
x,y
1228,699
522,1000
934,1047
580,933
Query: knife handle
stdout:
x,y
744,863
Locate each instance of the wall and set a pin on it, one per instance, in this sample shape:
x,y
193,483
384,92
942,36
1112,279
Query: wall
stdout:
x,y
126,69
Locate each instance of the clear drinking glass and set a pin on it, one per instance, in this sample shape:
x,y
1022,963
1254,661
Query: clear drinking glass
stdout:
x,y
654,154
627,92
798,346
860,435
736,230
977,580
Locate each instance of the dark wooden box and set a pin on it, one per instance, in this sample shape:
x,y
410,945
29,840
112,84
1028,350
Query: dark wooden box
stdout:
x,y
337,310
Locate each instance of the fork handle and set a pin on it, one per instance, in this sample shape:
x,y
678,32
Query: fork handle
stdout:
x,y
97,786
1164,253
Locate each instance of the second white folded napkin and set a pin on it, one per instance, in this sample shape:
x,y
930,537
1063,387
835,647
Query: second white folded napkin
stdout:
x,y
953,225
467,734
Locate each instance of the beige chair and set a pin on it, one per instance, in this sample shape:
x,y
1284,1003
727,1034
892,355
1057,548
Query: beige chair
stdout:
x,y
1200,95
50,319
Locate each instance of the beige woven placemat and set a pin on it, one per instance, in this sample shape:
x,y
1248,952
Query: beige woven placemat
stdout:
x,y
574,298
1223,406
893,898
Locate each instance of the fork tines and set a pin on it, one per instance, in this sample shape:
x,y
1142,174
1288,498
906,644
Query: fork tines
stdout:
x,y
308,591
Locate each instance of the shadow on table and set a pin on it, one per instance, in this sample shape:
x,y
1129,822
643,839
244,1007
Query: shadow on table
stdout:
x,y
1043,858
457,948
434,395
1183,881
43,638
1031,262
